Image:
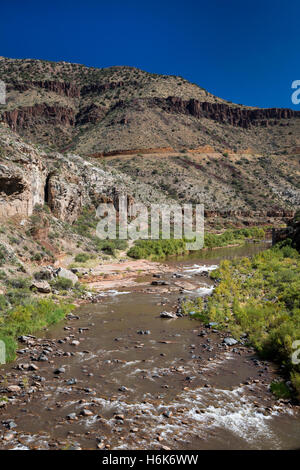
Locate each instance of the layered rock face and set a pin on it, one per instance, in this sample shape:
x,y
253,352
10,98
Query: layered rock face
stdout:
x,y
61,88
66,183
20,119
27,117
21,185
223,113
29,177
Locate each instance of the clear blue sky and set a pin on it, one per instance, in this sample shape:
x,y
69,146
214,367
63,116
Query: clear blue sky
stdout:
x,y
244,51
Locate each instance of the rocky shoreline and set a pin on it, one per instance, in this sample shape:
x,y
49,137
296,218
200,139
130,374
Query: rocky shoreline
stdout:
x,y
45,364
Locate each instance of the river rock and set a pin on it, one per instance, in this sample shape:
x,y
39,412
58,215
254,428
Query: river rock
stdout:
x,y
72,382
159,283
86,412
42,358
119,417
13,388
9,424
230,341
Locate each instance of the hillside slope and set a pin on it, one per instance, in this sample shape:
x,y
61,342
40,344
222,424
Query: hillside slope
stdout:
x,y
71,127
89,110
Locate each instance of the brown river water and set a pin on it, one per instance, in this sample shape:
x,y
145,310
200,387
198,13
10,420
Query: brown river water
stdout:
x,y
175,387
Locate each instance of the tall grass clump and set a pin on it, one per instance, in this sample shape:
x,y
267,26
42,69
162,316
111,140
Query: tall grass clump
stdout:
x,y
27,319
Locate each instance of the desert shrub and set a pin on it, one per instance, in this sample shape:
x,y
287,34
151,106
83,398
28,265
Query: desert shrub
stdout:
x,y
82,257
61,283
3,254
110,246
2,274
37,257
18,283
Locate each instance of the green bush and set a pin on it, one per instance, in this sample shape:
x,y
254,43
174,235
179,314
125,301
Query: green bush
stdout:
x,y
156,249
159,249
82,257
18,296
110,246
280,390
212,240
37,257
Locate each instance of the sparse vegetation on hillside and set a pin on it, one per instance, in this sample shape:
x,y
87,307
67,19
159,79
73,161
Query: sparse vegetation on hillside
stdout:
x,y
120,108
86,225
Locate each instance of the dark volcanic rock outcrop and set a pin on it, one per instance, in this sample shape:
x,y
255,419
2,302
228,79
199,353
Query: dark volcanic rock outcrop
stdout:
x,y
90,114
223,113
61,88
27,117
